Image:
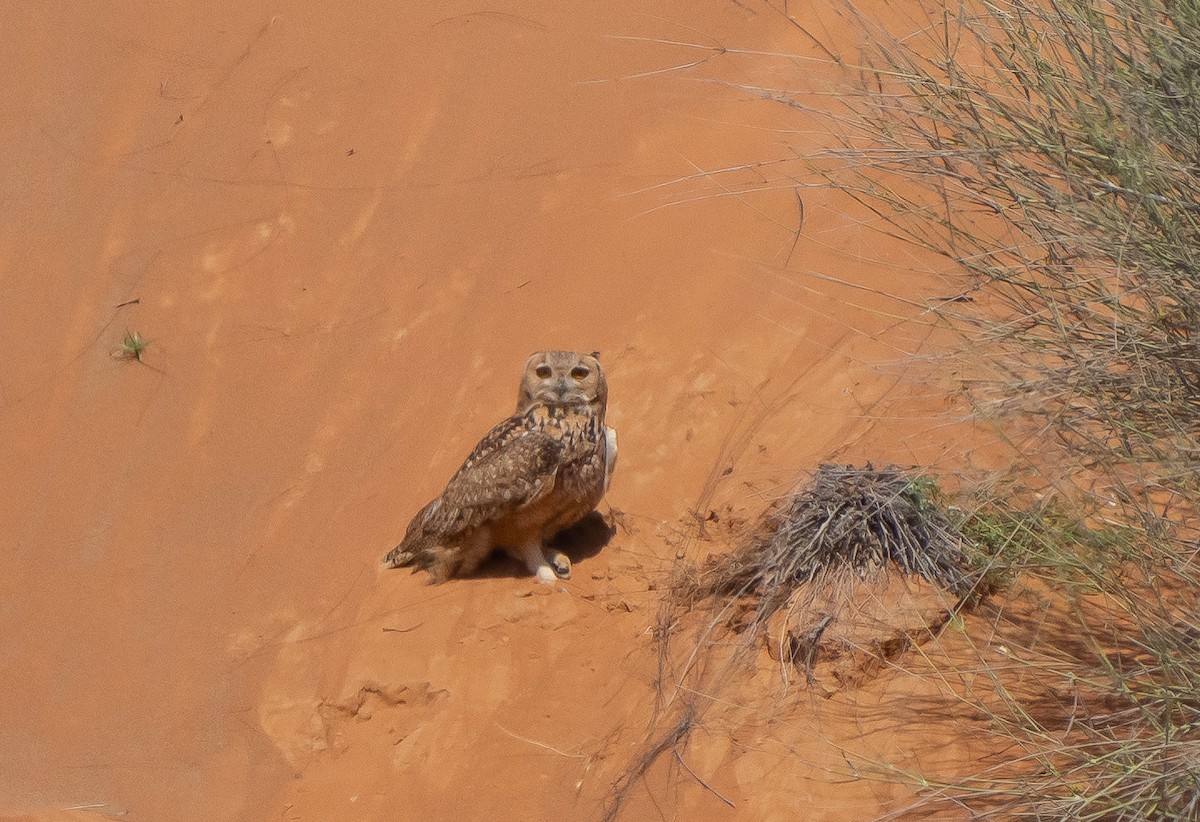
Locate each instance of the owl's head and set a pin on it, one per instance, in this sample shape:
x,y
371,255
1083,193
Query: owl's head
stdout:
x,y
563,378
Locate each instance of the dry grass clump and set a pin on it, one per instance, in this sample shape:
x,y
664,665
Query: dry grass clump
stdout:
x,y
846,519
1048,148
1100,689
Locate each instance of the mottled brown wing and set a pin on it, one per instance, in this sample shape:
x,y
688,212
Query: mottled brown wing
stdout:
x,y
511,467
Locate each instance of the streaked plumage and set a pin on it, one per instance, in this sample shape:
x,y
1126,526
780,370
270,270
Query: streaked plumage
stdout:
x,y
537,472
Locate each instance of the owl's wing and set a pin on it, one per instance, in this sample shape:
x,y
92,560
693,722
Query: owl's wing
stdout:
x,y
511,467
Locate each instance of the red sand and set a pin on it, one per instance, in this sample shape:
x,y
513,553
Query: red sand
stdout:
x,y
342,229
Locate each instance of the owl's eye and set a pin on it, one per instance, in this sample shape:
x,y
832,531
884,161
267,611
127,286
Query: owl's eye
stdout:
x,y
579,372
543,372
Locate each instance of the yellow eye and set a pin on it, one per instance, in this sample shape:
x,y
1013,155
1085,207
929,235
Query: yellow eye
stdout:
x,y
579,372
543,372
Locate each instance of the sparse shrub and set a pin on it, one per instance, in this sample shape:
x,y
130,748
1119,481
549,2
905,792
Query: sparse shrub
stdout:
x,y
1051,150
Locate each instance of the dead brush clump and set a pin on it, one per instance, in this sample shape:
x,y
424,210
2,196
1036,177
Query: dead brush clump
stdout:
x,y
847,519
851,570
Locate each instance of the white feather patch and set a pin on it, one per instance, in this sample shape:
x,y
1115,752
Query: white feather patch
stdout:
x,y
610,455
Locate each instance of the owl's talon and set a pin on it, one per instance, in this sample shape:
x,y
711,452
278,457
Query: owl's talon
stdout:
x,y
561,565
545,575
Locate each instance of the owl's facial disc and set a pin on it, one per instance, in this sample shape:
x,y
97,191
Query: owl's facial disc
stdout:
x,y
563,378
559,388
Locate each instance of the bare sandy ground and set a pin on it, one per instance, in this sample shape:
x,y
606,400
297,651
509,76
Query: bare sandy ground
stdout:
x,y
342,229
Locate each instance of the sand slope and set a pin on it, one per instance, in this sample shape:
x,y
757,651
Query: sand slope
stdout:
x,y
342,229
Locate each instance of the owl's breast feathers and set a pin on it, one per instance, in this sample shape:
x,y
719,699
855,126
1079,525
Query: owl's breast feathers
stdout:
x,y
549,456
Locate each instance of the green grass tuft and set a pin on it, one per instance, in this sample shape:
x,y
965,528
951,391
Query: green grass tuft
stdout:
x,y
131,347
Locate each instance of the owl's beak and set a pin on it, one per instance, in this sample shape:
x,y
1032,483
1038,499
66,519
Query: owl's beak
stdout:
x,y
561,388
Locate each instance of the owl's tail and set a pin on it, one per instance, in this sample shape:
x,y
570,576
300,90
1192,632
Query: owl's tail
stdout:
x,y
413,550
399,557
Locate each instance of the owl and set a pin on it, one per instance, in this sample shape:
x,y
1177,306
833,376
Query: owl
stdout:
x,y
536,473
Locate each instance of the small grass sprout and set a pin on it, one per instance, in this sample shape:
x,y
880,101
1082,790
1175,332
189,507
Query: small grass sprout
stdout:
x,y
132,346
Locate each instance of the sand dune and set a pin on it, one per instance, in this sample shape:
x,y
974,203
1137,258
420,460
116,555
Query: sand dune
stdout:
x,y
342,229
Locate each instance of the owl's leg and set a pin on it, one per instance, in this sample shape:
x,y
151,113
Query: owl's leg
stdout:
x,y
535,560
440,569
475,550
